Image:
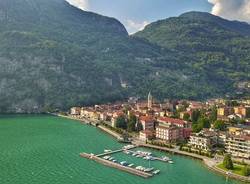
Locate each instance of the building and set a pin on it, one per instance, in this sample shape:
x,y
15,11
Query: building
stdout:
x,y
146,135
115,116
205,140
168,133
242,111
238,146
225,111
90,113
172,130
147,122
75,111
150,100
172,121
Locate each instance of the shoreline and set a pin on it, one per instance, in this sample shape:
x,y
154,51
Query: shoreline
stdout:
x,y
209,163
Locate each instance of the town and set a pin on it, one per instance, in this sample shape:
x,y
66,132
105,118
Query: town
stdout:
x,y
215,128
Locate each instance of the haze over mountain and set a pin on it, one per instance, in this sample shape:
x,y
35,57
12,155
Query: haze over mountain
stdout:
x,y
54,55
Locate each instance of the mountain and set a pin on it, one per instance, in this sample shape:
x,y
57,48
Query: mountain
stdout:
x,y
54,56
216,49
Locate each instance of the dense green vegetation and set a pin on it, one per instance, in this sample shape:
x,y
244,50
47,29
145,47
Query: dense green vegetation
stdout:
x,y
54,56
216,50
227,162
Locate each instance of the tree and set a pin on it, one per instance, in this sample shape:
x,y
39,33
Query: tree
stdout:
x,y
139,127
227,162
204,122
196,127
219,125
213,115
186,117
195,116
246,170
121,122
132,123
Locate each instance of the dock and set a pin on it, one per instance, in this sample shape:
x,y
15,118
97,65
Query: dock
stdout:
x,y
153,157
115,151
116,165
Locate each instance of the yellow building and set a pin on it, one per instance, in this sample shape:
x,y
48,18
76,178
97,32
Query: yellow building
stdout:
x,y
241,110
225,111
234,130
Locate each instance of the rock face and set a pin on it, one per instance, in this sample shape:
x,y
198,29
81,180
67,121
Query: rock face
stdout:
x,y
54,56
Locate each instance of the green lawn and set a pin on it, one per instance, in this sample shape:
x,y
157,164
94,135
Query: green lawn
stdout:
x,y
238,169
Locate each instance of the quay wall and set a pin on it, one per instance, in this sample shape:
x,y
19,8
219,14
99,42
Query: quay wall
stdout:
x,y
117,166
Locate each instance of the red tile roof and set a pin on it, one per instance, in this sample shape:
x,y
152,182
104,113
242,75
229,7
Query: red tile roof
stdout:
x,y
146,118
171,120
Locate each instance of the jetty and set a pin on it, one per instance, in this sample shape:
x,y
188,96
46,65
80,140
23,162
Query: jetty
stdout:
x,y
116,151
116,165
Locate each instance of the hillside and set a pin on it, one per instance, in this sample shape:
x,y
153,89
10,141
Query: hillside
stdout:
x,y
216,48
54,56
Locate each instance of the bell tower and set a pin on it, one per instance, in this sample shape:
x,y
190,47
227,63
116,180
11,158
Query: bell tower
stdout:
x,y
150,100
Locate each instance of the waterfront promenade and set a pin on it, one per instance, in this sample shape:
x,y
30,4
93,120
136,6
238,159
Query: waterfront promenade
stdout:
x,y
210,163
110,132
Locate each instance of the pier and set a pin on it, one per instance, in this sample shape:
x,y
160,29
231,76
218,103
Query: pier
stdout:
x,y
115,151
116,165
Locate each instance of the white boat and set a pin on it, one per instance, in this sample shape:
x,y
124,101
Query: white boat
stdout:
x,y
166,159
140,168
107,151
106,157
148,158
111,158
156,172
126,152
128,146
124,163
170,161
130,165
149,169
114,161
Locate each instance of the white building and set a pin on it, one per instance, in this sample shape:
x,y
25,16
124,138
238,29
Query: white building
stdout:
x,y
238,146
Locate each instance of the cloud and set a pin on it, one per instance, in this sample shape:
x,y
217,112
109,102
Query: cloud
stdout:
x,y
134,26
232,9
82,4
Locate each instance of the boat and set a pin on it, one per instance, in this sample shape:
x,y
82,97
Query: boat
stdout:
x,y
124,163
148,158
107,151
149,169
111,158
166,159
114,161
170,161
106,157
140,168
130,165
156,172
127,152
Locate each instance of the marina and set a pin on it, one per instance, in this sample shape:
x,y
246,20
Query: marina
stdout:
x,y
121,166
148,156
108,160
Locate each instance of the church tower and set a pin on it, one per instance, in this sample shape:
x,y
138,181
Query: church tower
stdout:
x,y
150,100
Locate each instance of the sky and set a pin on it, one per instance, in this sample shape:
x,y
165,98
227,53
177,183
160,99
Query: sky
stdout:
x,y
136,14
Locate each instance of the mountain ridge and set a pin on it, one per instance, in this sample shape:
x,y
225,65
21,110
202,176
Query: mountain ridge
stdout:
x,y
61,56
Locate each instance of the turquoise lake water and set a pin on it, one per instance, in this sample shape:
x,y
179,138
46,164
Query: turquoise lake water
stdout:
x,y
45,150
